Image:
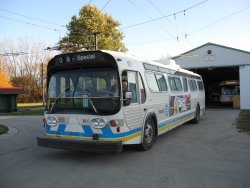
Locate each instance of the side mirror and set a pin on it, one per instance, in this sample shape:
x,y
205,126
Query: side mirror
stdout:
x,y
128,98
128,95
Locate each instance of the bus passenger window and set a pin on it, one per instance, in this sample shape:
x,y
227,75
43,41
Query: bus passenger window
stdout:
x,y
141,89
194,85
152,84
184,80
190,85
200,85
178,83
132,86
161,82
172,83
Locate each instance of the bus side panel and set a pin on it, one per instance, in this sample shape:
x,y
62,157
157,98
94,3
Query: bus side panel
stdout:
x,y
176,121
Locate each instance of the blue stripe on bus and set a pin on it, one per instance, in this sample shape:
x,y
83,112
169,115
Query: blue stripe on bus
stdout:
x,y
87,130
169,122
61,128
107,132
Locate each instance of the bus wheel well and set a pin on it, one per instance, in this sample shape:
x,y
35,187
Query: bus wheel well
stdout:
x,y
155,122
198,105
149,132
197,114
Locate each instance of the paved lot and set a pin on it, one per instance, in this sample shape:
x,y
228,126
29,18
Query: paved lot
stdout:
x,y
211,154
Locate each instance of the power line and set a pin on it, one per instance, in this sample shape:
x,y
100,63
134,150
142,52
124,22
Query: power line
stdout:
x,y
201,28
105,5
153,5
141,10
89,2
158,10
32,24
173,37
219,20
155,41
159,18
32,18
13,53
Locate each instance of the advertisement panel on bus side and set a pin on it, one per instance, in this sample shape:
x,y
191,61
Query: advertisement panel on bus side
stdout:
x,y
179,104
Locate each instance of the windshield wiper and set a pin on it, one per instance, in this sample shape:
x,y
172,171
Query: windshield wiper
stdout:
x,y
91,102
86,94
61,94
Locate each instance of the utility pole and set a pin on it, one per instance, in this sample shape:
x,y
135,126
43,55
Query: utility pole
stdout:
x,y
43,83
95,34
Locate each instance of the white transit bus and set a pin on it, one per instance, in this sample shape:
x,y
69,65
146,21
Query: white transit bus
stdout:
x,y
228,89
88,109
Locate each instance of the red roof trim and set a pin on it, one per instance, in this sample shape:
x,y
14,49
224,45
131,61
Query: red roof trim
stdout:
x,y
13,90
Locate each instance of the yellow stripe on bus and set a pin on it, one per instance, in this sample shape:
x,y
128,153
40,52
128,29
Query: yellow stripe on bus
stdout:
x,y
175,123
124,139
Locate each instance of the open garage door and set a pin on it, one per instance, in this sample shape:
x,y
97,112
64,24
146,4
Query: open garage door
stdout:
x,y
212,77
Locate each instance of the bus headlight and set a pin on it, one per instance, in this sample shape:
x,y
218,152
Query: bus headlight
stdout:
x,y
52,121
98,123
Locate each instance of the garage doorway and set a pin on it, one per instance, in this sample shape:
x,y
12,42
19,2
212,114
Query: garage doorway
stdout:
x,y
212,77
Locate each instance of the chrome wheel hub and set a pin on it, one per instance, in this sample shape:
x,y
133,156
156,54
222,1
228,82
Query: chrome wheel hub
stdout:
x,y
148,133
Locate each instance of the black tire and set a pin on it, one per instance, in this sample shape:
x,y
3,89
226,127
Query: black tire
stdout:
x,y
197,115
148,135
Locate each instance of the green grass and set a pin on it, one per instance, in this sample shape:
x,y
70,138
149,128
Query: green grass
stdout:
x,y
243,121
3,129
28,109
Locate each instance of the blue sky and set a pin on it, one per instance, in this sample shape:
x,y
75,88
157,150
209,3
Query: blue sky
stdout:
x,y
224,22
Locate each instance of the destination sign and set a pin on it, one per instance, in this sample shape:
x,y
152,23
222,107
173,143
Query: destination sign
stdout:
x,y
79,57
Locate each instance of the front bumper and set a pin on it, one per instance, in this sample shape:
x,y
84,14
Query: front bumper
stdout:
x,y
81,145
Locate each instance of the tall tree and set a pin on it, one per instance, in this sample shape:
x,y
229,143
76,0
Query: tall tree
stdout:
x,y
4,78
25,70
91,20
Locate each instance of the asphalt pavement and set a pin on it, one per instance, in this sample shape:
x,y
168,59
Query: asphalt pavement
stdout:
x,y
211,154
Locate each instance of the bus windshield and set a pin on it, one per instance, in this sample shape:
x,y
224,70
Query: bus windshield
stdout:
x,y
230,90
84,91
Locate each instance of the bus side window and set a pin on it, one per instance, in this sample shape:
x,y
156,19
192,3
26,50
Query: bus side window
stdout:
x,y
141,89
194,85
172,83
190,85
200,85
161,82
178,83
151,80
184,80
132,86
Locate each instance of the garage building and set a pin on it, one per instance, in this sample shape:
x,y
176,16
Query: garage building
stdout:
x,y
217,63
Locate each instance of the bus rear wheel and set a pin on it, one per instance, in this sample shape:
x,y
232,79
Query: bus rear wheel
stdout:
x,y
148,135
197,115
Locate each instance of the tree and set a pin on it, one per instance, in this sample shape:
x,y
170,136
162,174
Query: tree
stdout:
x,y
4,78
91,20
29,84
25,70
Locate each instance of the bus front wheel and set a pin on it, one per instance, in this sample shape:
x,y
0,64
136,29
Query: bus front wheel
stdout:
x,y
148,135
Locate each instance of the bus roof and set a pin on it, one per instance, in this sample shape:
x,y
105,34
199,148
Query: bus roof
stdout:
x,y
173,66
230,82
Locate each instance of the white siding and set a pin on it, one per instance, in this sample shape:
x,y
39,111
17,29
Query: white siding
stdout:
x,y
220,57
245,87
